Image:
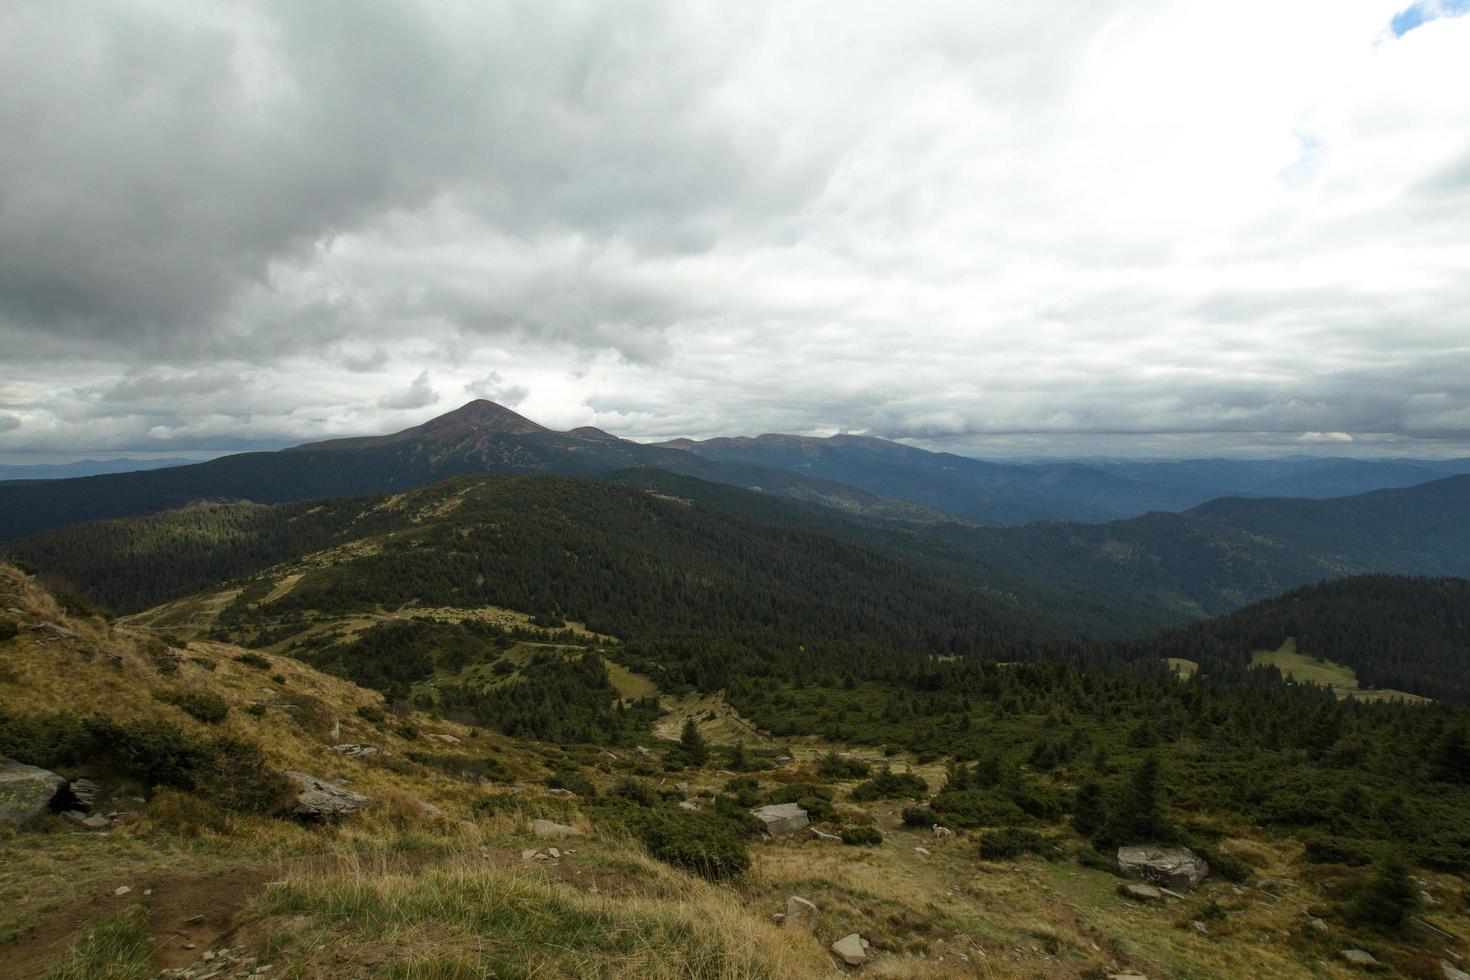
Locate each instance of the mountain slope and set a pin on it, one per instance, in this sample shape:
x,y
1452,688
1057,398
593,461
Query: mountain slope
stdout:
x,y
480,437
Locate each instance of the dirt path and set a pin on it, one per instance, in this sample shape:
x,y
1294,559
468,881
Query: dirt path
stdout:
x,y
188,912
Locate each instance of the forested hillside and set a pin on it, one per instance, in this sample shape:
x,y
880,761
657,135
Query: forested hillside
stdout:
x,y
1399,632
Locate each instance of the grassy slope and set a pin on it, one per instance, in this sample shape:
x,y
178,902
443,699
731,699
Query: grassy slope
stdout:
x,y
400,892
1312,670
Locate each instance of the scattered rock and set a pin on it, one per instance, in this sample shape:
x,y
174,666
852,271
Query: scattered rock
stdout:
x,y
95,821
682,787
26,792
555,854
565,794
1359,957
609,756
550,828
84,792
1451,972
781,818
528,854
1319,926
922,850
54,631
823,835
687,805
643,751
1200,927
1142,893
120,891
353,750
781,760
941,832
1174,867
850,950
317,799
800,914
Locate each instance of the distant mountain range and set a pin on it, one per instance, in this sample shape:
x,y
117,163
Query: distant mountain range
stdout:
x,y
83,467
858,475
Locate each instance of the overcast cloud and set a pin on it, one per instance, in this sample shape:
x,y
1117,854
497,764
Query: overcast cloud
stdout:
x,y
1049,228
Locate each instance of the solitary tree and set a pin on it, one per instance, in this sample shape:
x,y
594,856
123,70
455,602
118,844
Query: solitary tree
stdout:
x,y
1388,900
693,744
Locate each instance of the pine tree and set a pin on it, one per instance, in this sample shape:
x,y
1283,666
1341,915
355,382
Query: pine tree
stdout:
x,y
693,744
1388,900
1138,815
1089,813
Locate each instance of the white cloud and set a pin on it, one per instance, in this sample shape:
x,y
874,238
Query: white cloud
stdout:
x,y
993,228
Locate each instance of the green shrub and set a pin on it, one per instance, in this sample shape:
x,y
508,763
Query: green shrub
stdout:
x,y
702,843
637,791
407,731
834,766
815,800
1387,901
974,808
370,714
1012,842
888,785
1336,850
211,709
918,816
204,662
253,660
572,780
1224,865
861,836
8,628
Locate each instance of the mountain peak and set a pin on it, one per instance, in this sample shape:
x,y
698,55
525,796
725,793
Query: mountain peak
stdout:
x,y
481,414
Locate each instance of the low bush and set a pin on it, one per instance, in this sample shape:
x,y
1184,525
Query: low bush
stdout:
x,y
186,814
211,709
861,836
815,800
1012,842
918,816
975,808
253,660
8,628
834,766
571,780
702,843
889,785
1221,863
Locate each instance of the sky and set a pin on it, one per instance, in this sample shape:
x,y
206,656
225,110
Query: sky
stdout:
x,y
1124,227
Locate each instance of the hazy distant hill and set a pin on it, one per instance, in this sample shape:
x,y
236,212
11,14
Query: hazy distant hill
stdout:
x,y
84,467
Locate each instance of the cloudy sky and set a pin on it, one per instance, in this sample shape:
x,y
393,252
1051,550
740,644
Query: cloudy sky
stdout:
x,y
1121,226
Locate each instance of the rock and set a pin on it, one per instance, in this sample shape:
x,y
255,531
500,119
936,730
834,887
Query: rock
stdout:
x,y
1451,972
353,750
1173,867
94,822
1318,925
940,832
558,791
1359,957
823,835
781,818
550,828
528,854
120,891
922,850
84,791
26,792
555,854
781,760
687,805
317,799
1142,893
609,756
850,950
1200,927
441,737
800,914
682,787
54,631
643,751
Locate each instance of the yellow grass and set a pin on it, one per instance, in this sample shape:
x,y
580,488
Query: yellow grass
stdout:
x,y
1308,669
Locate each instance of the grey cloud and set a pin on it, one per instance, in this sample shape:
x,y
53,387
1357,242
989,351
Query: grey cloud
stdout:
x,y
8,422
366,362
497,389
418,394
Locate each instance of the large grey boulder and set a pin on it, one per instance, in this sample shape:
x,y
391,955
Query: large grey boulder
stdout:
x,y
317,799
1178,868
26,792
800,914
781,818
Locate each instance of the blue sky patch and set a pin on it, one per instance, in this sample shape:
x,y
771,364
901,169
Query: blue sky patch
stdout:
x,y
1423,11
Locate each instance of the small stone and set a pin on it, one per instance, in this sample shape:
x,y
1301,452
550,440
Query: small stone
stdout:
x,y
1452,972
554,853
1318,925
1359,957
800,913
121,890
550,828
1200,927
1141,893
688,806
922,850
823,835
528,855
850,950
941,832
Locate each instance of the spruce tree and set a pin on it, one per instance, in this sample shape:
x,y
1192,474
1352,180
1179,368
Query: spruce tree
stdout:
x,y
693,744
